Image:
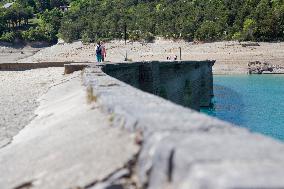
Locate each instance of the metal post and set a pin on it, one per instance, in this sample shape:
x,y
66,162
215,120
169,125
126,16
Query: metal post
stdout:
x,y
179,53
125,38
125,34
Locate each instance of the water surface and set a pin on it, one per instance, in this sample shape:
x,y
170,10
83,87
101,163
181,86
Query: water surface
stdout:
x,y
252,101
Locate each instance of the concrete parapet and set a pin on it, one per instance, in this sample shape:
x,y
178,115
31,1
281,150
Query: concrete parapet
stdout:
x,y
28,66
70,68
182,148
188,83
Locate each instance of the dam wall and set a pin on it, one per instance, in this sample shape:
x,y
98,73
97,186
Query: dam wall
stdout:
x,y
180,147
188,83
99,130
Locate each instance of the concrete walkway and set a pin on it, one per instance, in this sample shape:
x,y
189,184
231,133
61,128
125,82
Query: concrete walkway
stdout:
x,y
19,91
68,145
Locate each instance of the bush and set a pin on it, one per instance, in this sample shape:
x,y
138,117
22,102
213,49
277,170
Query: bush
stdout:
x,y
208,31
69,32
2,28
88,37
237,36
249,29
149,37
35,34
8,37
135,35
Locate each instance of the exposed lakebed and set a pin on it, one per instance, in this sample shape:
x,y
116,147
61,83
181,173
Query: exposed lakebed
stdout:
x,y
252,101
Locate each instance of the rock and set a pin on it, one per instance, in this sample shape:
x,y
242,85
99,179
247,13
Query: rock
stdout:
x,y
263,68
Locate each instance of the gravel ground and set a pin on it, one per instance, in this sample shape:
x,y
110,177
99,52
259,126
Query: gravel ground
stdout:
x,y
13,54
19,91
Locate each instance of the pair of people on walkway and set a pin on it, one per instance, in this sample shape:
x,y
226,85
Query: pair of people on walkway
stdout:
x,y
100,52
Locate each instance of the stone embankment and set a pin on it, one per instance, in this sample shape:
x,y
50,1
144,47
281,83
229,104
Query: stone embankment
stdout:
x,y
258,67
103,133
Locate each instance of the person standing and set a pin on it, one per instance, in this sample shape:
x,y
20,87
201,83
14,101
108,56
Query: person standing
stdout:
x,y
103,51
99,52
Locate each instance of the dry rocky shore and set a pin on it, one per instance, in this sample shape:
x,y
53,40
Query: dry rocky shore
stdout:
x,y
231,57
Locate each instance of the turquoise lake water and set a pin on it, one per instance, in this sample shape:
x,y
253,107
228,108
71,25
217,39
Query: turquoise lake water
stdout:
x,y
252,101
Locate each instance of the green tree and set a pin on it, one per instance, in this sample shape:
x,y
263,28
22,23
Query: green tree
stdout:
x,y
249,29
208,31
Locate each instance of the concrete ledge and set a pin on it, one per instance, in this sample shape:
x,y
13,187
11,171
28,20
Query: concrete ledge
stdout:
x,y
185,149
28,66
70,68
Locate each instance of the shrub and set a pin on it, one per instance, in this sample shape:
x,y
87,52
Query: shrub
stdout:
x,y
8,37
249,29
135,35
88,37
208,31
237,36
35,34
69,31
149,37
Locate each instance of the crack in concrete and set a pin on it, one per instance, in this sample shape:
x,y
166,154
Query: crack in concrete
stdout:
x,y
122,177
26,185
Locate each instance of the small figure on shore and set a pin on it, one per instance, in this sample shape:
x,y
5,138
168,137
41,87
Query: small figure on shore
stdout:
x,y
170,58
99,52
103,51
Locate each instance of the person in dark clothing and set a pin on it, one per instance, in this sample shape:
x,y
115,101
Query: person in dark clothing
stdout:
x,y
99,50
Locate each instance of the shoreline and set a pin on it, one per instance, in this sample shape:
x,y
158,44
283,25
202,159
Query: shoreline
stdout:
x,y
231,56
77,52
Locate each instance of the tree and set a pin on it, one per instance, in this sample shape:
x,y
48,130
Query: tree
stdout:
x,y
249,29
208,31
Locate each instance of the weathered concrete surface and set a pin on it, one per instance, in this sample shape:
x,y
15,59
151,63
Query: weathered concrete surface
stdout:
x,y
183,149
68,145
211,160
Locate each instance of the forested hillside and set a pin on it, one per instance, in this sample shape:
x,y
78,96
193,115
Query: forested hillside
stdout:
x,y
207,20
30,20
